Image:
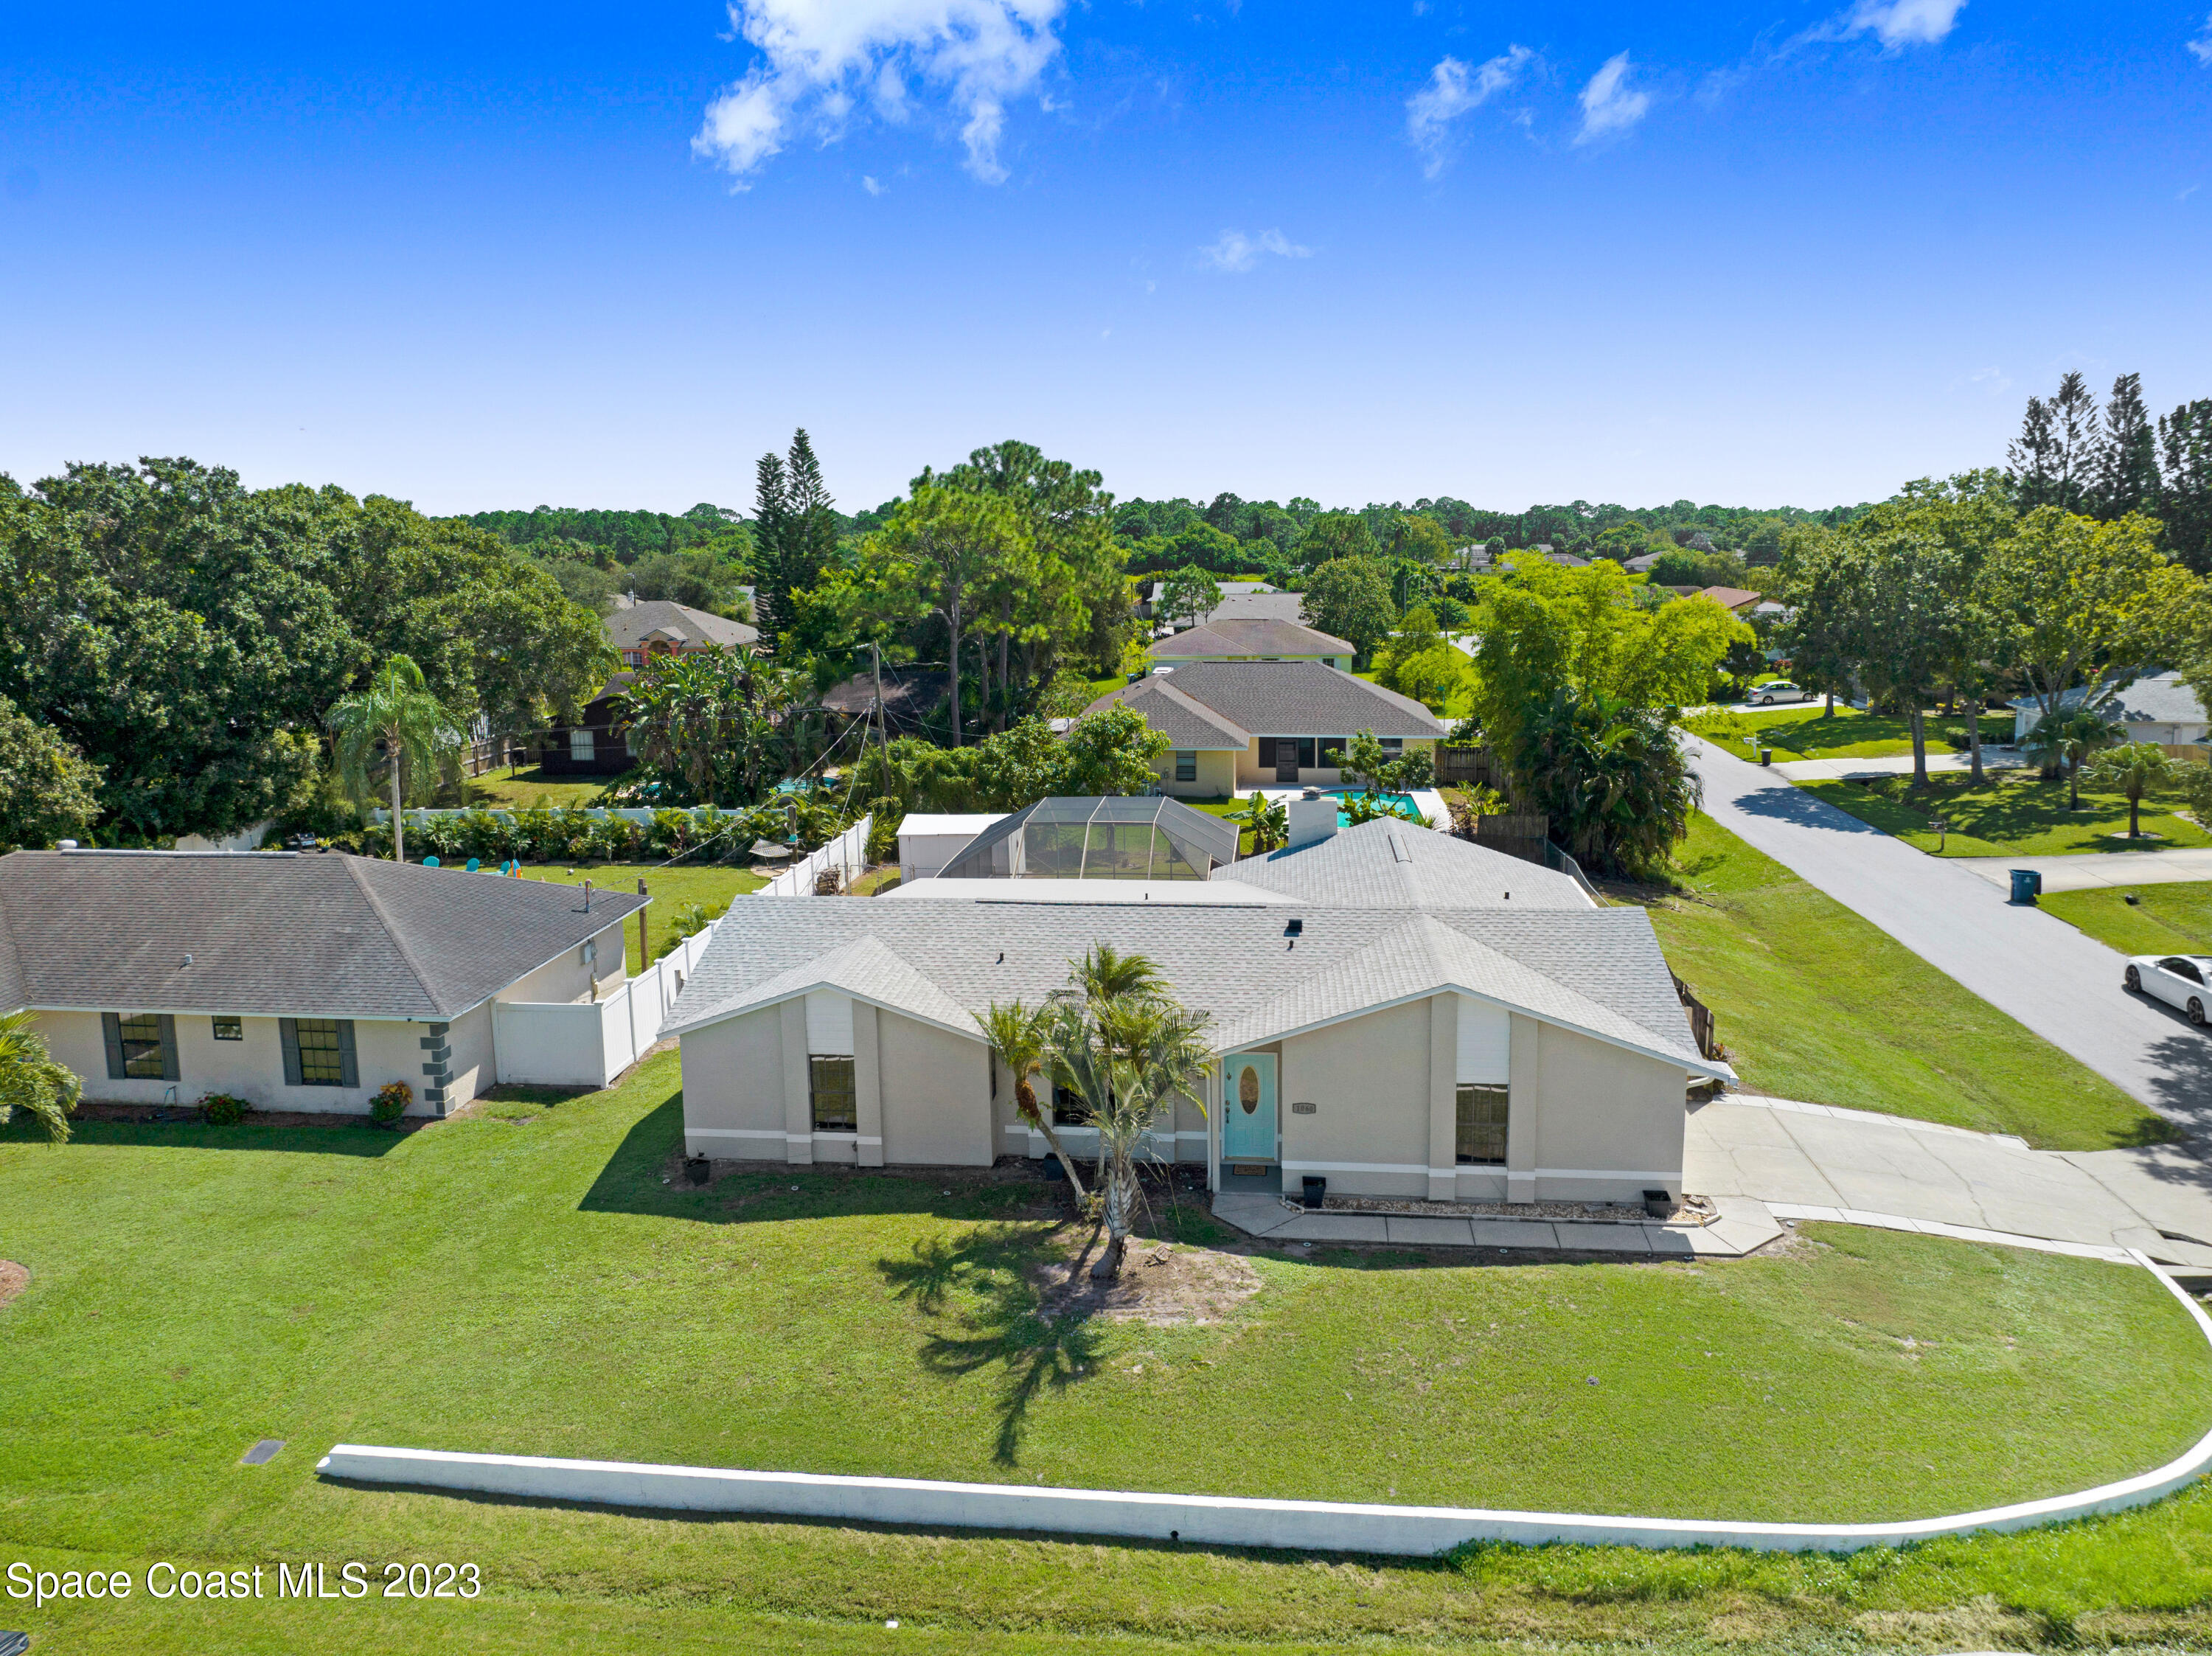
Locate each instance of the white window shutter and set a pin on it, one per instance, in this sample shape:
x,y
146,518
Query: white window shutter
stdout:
x,y
1485,1039
830,1024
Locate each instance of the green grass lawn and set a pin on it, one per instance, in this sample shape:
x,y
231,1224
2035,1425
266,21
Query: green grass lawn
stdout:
x,y
2012,814
521,1280
1814,1002
530,789
670,888
1799,731
2164,919
1227,807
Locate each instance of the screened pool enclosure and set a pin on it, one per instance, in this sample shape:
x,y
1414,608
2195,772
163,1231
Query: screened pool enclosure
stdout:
x,y
1103,839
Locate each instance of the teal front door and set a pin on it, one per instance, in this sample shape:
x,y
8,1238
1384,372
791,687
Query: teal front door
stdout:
x,y
1247,1112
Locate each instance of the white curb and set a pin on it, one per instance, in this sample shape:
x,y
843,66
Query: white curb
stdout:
x,y
1210,1520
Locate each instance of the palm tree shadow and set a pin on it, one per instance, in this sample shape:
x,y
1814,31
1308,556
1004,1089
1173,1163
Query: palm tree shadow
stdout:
x,y
981,1289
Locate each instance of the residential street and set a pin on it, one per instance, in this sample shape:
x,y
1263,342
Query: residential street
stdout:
x,y
2057,982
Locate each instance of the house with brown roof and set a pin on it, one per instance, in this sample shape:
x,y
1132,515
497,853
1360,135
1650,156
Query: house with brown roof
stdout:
x,y
639,628
1233,725
300,981
1737,600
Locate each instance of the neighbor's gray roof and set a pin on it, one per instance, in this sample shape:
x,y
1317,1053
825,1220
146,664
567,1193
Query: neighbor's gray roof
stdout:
x,y
1258,606
1188,724
1230,635
1386,864
2162,699
1598,970
275,934
628,625
1228,588
1295,698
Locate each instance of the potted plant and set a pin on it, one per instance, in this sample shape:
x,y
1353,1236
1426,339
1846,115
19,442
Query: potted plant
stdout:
x,y
389,1104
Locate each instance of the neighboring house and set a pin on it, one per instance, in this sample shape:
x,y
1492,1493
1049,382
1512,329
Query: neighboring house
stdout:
x,y
1148,606
1492,1048
1232,638
1737,600
911,695
296,982
1237,725
1643,563
2158,708
639,629
1258,606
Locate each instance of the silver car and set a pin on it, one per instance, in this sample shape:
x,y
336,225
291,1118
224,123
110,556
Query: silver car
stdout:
x,y
1779,689
2178,979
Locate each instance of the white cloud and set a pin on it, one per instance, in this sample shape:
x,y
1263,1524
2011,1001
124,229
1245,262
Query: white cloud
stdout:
x,y
871,185
1454,88
1608,106
1904,22
818,54
1235,251
2201,47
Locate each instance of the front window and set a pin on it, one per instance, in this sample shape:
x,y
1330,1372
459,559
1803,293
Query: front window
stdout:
x,y
836,1097
580,746
142,1046
321,1059
1068,1109
230,1028
1482,1111
1186,765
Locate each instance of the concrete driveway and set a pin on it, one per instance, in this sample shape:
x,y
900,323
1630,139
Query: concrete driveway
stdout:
x,y
1895,764
2058,982
2158,1200
2090,869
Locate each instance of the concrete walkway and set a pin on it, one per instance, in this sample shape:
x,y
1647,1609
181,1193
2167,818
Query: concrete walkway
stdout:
x,y
1741,1227
1845,1162
2092,869
2032,965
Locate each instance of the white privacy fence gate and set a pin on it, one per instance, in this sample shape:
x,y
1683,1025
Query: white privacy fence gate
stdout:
x,y
848,853
589,1043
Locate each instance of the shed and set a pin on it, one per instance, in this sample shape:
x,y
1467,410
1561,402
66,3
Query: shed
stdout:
x,y
927,842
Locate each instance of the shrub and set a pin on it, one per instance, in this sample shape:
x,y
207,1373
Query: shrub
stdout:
x,y
224,1109
390,1103
883,831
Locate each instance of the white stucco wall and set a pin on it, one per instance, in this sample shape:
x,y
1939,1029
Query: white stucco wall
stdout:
x,y
252,1068
567,978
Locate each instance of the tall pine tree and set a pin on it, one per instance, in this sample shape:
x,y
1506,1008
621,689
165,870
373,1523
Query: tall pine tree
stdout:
x,y
2126,474
771,531
2184,500
812,516
2055,458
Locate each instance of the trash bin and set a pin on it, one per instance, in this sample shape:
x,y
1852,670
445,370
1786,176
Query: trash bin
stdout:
x,y
2027,885
1767,755
1313,1190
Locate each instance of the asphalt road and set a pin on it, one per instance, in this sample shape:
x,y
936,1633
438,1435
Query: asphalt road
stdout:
x,y
2061,984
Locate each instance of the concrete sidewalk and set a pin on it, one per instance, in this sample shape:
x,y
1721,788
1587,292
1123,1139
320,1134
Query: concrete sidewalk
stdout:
x,y
2158,1200
2092,869
1896,764
2034,967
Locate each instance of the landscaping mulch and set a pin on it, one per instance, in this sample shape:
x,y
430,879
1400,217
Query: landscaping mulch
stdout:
x,y
14,1279
186,1115
1165,1284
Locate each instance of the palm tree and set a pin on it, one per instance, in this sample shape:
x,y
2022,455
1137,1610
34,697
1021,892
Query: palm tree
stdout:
x,y
398,710
31,1081
2134,768
2069,739
1018,1034
1119,1040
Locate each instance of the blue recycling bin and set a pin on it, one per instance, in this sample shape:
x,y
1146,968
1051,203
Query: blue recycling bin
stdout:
x,y
2027,885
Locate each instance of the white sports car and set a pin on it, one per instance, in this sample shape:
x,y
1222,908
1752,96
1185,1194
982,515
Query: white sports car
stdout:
x,y
2179,980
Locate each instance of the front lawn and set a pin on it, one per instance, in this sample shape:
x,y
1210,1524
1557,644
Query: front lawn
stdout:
x,y
1799,731
2011,814
2164,919
1814,1002
521,1279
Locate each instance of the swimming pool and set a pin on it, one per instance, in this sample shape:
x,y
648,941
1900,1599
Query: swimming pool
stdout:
x,y
1403,801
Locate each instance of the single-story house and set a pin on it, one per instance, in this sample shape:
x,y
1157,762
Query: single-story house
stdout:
x,y
1513,1050
2158,708
1737,600
597,744
1148,606
295,982
912,697
1232,638
1233,726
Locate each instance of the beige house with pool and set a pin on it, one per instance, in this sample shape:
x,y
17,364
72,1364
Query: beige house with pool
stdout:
x,y
1402,1013
293,981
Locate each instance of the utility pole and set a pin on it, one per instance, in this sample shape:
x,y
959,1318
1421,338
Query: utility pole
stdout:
x,y
883,727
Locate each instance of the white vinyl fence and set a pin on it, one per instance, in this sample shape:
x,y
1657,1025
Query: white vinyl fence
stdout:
x,y
589,1043
848,853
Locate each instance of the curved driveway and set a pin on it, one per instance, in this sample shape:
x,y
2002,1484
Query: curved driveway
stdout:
x,y
2059,982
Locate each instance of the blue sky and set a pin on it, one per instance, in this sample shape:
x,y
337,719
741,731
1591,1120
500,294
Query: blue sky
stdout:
x,y
502,255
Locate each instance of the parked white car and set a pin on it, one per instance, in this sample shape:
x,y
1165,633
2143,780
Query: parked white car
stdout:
x,y
1779,689
2179,980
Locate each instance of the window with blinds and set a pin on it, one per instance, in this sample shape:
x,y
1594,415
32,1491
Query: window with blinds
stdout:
x,y
835,1096
1481,1135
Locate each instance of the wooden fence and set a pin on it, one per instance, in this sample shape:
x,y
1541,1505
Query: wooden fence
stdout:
x,y
1458,765
1523,834
1701,1020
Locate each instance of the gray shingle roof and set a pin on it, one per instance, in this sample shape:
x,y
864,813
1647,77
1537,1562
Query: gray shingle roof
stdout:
x,y
1231,635
2162,699
628,625
1598,970
1259,606
1295,698
273,934
1186,724
1387,865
